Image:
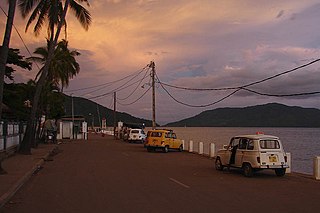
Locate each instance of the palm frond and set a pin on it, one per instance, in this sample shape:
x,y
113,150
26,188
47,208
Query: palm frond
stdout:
x,y
82,14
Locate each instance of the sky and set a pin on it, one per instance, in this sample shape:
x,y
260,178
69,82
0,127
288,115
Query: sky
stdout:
x,y
194,44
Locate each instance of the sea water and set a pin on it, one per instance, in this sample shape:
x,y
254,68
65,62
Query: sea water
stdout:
x,y
302,143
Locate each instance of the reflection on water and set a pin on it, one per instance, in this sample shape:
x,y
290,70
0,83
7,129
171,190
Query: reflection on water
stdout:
x,y
302,143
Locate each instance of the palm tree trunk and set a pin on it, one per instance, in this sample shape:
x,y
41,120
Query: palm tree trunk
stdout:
x,y
5,48
25,147
4,55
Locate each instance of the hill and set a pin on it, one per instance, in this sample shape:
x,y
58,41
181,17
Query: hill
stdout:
x,y
93,111
268,115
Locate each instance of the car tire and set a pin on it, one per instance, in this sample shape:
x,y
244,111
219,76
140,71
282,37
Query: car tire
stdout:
x,y
180,148
247,170
166,149
280,172
218,164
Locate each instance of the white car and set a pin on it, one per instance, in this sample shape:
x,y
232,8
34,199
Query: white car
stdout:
x,y
252,153
136,135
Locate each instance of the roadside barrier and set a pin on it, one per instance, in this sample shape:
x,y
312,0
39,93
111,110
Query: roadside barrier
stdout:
x,y
316,168
212,150
288,170
200,148
191,146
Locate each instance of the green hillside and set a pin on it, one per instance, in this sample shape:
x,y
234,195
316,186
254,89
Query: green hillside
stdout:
x,y
268,115
90,109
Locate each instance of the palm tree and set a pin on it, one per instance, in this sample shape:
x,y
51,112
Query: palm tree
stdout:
x,y
4,54
63,66
52,12
5,48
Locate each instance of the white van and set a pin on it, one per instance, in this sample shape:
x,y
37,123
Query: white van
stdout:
x,y
253,153
136,135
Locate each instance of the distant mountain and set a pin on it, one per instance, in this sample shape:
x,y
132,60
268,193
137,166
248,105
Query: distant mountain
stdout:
x,y
92,111
268,115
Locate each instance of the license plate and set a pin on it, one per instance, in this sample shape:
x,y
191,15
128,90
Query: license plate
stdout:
x,y
273,159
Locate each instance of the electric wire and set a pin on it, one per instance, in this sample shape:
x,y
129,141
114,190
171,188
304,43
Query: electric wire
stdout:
x,y
107,83
281,95
202,105
246,85
24,44
135,89
120,88
236,89
136,99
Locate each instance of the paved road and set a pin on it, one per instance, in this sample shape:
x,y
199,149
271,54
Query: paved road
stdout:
x,y
104,175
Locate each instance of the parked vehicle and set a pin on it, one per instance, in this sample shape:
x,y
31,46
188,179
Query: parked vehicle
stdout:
x,y
163,139
136,135
253,153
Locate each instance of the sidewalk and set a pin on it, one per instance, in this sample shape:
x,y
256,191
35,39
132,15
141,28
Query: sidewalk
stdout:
x,y
20,168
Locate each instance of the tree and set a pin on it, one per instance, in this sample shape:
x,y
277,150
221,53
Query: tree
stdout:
x,y
5,48
52,12
14,58
63,66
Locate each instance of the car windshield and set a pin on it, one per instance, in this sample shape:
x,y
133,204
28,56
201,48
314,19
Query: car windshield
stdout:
x,y
134,131
269,144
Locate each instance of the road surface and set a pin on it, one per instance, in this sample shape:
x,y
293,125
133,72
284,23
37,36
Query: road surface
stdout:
x,y
106,175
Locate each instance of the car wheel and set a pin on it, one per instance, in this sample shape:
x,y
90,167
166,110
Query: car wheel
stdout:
x,y
280,172
218,164
180,148
166,149
247,170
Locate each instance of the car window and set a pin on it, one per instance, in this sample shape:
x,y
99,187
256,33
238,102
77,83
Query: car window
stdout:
x,y
134,131
243,143
250,145
168,134
234,142
174,135
156,134
269,144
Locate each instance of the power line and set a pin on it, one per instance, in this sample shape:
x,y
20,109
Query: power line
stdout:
x,y
282,95
236,89
202,105
24,44
116,89
246,85
107,83
136,99
135,89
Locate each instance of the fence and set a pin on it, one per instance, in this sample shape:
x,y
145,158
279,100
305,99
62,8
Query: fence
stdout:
x,y
11,135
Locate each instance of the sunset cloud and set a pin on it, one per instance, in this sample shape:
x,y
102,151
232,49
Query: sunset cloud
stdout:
x,y
198,44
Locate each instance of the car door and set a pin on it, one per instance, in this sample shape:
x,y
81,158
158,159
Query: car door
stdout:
x,y
243,142
230,153
175,141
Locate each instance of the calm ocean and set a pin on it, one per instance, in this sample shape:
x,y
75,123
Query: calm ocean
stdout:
x,y
302,143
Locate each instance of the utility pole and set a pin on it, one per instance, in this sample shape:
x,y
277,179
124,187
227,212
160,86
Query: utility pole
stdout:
x,y
114,114
153,73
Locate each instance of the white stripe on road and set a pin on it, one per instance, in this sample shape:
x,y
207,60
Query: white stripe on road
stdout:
x,y
125,154
178,182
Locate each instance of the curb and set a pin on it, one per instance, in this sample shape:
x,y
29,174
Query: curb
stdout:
x,y
12,191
